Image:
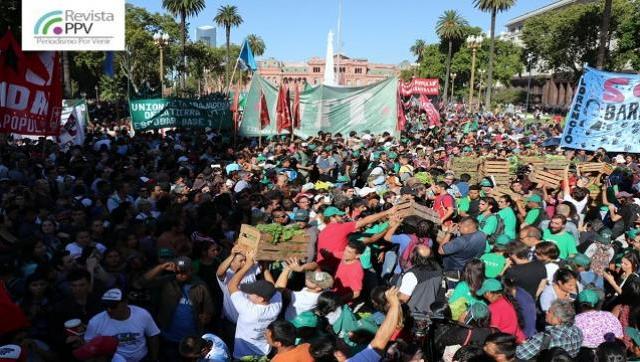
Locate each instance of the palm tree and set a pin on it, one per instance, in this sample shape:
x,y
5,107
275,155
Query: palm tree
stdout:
x,y
417,49
257,44
184,9
492,6
450,26
228,17
604,34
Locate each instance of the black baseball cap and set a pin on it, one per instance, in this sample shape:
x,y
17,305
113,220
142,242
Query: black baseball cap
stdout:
x,y
260,288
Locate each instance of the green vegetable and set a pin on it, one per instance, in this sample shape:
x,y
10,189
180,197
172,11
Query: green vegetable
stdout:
x,y
280,233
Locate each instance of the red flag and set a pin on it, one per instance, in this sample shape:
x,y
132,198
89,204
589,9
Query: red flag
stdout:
x,y
430,109
31,83
296,109
264,112
402,118
283,112
235,108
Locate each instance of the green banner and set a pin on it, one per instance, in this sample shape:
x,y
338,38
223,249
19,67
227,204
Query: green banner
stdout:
x,y
330,109
148,114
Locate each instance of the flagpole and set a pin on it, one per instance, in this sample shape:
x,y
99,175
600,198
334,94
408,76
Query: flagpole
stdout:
x,y
234,68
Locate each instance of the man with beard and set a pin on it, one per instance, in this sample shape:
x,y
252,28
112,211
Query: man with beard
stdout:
x,y
557,234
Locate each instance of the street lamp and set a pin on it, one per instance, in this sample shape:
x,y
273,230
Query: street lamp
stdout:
x,y
161,39
481,72
453,82
473,43
529,60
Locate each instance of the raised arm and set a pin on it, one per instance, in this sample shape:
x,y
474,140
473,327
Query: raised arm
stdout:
x,y
224,266
375,217
234,283
388,326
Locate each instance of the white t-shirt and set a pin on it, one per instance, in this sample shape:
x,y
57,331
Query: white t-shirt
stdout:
x,y
551,269
75,250
253,321
580,205
130,333
301,301
408,284
229,311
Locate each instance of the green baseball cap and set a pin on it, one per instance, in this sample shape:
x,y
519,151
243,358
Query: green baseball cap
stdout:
x,y
493,264
580,260
633,233
305,319
534,198
312,146
261,158
355,153
343,179
166,253
633,334
333,211
477,310
392,155
588,296
486,183
489,285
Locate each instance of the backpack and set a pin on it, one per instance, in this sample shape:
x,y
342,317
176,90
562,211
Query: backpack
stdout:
x,y
499,228
600,258
405,262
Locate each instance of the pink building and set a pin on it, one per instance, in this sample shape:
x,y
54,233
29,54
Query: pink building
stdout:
x,y
353,72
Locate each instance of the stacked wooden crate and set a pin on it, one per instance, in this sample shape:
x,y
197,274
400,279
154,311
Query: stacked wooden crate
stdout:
x,y
498,170
468,165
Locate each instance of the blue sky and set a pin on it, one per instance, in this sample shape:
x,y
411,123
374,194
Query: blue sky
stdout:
x,y
379,30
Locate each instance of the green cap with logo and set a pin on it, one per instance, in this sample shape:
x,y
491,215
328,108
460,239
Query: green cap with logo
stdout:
x,y
493,264
333,211
580,260
634,334
486,183
489,285
534,198
589,297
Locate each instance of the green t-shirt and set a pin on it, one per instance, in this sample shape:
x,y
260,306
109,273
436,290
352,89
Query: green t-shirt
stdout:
x,y
565,241
510,222
463,204
490,224
462,291
532,216
493,264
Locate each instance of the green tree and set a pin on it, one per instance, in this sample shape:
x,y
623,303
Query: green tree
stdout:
x,y
11,18
433,62
417,49
184,9
257,44
493,7
228,17
565,40
450,27
604,33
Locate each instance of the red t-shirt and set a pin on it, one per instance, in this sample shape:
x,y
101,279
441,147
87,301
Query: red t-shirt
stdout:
x,y
334,238
348,278
441,203
505,318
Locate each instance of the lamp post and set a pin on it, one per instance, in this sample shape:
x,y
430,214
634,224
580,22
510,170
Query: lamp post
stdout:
x,y
529,60
161,39
97,93
473,43
453,82
481,72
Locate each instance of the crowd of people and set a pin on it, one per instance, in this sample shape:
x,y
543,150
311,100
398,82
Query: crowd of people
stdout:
x,y
125,248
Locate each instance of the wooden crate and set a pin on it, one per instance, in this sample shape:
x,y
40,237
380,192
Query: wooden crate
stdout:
x,y
252,238
496,167
408,208
536,162
468,165
587,167
549,178
607,169
555,163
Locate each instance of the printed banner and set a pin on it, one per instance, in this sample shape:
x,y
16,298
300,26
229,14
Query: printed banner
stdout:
x,y
30,90
323,108
604,113
420,86
148,114
73,123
